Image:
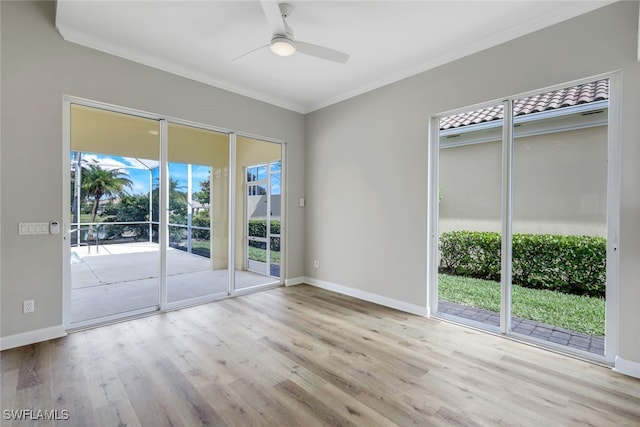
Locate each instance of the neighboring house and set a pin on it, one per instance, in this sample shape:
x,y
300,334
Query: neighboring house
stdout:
x,y
196,206
257,206
560,150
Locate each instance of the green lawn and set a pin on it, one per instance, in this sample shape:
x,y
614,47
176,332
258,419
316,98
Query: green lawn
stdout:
x,y
255,254
86,218
258,254
200,244
573,312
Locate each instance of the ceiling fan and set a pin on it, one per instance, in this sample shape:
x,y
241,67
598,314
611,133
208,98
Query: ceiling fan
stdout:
x,y
282,41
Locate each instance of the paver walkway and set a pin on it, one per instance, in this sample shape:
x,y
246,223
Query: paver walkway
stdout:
x,y
591,343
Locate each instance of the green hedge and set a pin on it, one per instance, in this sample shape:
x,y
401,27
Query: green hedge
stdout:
x,y
258,228
569,264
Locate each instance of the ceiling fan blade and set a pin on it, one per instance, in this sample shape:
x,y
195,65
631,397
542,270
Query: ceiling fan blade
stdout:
x,y
273,14
321,52
249,53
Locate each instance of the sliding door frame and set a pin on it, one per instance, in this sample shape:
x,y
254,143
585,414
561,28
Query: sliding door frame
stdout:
x,y
164,220
506,210
612,216
163,121
67,102
433,208
280,281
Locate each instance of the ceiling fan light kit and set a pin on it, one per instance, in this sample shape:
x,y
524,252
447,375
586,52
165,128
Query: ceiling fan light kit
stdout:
x,y
282,46
283,43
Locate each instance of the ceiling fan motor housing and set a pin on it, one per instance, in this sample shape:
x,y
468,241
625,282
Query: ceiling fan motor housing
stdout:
x,y
282,45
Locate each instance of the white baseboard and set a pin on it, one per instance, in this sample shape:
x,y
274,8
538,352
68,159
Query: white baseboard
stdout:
x,y
368,296
627,367
32,337
295,281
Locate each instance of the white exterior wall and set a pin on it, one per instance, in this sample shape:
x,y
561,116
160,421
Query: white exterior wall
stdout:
x,y
559,184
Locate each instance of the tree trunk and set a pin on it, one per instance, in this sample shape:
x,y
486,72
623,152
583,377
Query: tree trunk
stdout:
x,y
94,209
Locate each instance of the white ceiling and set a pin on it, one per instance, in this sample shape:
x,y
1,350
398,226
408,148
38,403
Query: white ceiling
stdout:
x,y
387,40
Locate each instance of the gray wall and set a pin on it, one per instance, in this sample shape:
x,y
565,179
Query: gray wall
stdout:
x,y
559,184
38,68
366,158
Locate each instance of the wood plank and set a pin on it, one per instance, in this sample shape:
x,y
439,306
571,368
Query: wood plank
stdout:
x,y
306,356
68,381
269,404
231,407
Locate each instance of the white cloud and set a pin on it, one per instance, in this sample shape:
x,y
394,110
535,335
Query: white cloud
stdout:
x,y
108,163
117,162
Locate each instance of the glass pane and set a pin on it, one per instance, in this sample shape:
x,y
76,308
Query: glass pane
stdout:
x,y
262,173
257,227
559,217
470,217
155,199
274,223
276,175
115,258
274,257
197,258
258,250
252,174
178,237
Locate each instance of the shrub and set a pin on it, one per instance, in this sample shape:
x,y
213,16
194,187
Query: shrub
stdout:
x,y
471,254
258,228
201,219
569,264
129,209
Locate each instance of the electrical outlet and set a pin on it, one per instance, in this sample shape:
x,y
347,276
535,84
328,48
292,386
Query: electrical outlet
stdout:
x,y
28,306
316,264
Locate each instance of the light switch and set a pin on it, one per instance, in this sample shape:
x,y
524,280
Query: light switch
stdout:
x,y
33,228
301,202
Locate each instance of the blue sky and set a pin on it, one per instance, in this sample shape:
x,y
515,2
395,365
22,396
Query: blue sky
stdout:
x,y
138,172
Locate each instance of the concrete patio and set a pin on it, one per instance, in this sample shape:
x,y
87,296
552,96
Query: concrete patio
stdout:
x,y
119,278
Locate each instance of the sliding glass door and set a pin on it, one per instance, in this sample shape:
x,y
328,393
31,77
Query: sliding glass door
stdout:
x,y
160,213
560,220
525,218
263,219
258,213
198,219
113,237
469,202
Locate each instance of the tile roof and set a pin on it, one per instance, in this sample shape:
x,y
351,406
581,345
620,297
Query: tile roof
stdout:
x,y
568,97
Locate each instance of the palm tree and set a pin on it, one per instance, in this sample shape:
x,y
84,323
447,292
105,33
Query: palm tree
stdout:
x,y
177,198
98,182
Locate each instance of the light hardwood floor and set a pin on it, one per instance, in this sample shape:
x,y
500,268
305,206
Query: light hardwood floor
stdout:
x,y
302,356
